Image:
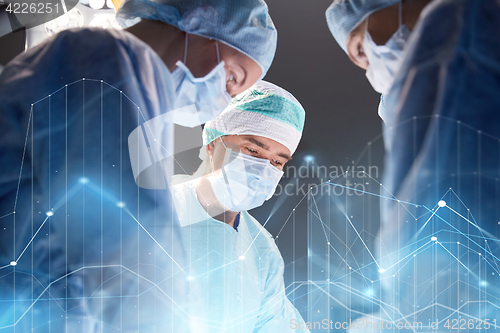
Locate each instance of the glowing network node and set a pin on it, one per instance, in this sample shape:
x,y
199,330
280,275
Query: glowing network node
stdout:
x,y
83,180
49,213
441,203
434,238
309,158
190,278
483,283
120,204
381,270
13,263
242,257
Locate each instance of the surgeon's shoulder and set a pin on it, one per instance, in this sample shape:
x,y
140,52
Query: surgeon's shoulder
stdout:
x,y
438,29
98,39
264,241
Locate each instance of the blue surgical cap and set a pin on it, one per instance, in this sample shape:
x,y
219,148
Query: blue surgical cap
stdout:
x,y
265,110
245,25
343,16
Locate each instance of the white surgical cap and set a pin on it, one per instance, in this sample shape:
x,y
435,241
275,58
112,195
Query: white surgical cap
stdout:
x,y
264,110
245,25
344,15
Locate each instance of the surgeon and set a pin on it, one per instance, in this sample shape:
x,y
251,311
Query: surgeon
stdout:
x,y
439,236
83,248
232,259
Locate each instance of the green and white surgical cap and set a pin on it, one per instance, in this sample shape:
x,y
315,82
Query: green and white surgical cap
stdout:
x,y
343,16
245,25
265,110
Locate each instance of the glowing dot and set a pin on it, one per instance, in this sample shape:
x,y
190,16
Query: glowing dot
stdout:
x,y
479,253
434,238
458,242
350,267
483,283
49,213
120,204
372,281
328,243
381,270
309,158
242,257
441,203
13,263
190,278
83,180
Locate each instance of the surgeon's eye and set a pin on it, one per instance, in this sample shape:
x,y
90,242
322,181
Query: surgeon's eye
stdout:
x,y
277,162
252,151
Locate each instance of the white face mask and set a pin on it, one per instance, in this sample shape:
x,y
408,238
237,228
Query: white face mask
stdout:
x,y
384,61
244,182
202,99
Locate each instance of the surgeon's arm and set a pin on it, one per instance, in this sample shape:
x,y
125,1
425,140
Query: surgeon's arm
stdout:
x,y
277,313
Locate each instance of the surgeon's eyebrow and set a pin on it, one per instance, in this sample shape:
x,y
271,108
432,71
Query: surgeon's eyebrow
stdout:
x,y
264,146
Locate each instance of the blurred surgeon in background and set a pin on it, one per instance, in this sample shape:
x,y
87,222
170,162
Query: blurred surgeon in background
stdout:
x,y
235,267
437,64
83,248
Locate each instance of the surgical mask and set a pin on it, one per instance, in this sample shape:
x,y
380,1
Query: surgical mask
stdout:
x,y
244,182
199,100
384,61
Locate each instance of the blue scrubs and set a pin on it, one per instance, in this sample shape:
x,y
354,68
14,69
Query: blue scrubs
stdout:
x,y
108,257
442,134
236,275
